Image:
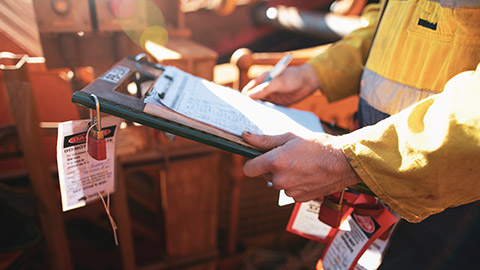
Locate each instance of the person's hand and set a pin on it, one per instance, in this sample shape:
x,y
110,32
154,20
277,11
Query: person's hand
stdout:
x,y
292,85
306,168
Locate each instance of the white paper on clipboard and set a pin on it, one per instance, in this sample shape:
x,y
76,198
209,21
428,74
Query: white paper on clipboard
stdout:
x,y
226,108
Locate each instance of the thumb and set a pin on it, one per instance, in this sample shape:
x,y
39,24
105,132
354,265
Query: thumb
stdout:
x,y
253,83
266,142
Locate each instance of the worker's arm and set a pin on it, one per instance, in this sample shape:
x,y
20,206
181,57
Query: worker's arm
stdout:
x,y
339,68
425,158
335,72
419,162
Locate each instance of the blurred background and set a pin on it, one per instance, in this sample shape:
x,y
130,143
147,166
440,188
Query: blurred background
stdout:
x,y
178,204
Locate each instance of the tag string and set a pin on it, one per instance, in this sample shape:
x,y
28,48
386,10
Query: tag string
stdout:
x,y
106,205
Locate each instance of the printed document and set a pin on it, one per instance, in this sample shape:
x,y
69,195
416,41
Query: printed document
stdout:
x,y
77,170
226,108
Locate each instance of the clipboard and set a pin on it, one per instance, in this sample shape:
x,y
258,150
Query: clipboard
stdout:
x,y
112,94
111,91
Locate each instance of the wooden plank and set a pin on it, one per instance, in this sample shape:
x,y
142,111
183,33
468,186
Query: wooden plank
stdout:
x,y
122,215
24,112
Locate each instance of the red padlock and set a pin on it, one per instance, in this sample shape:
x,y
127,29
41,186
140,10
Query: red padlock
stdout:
x,y
97,147
333,209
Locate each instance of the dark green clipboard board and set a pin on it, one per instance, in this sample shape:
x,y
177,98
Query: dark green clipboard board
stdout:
x,y
111,91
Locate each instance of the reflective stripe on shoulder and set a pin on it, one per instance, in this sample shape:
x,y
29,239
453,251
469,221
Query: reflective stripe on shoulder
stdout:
x,y
458,4
453,4
389,96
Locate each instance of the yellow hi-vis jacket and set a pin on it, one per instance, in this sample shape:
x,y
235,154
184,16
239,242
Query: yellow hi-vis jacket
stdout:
x,y
424,157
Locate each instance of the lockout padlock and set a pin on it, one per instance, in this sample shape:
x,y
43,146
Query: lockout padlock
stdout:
x,y
97,147
333,209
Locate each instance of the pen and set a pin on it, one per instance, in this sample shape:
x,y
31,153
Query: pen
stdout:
x,y
279,67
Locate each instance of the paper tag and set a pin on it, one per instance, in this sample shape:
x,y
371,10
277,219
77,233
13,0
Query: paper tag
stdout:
x,y
373,256
284,199
304,222
72,160
345,246
356,235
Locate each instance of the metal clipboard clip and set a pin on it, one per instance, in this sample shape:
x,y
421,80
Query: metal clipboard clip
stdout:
x,y
162,94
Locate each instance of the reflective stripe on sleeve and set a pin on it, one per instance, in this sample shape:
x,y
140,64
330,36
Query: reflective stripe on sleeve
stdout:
x,y
388,96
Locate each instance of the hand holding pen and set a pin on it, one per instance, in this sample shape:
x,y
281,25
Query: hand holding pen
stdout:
x,y
279,67
287,84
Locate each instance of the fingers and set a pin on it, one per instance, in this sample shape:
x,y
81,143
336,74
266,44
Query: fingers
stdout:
x,y
258,89
251,84
266,166
266,142
299,195
269,162
257,92
254,82
256,166
302,195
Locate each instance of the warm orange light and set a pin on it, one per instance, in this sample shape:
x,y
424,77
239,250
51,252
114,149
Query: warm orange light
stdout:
x,y
61,7
161,52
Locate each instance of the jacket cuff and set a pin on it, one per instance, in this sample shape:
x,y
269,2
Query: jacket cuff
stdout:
x,y
354,151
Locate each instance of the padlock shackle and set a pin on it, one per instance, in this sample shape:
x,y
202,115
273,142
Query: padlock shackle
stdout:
x,y
340,201
97,107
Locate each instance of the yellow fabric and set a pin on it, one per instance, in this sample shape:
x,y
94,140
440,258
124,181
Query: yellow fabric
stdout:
x,y
425,158
339,68
429,58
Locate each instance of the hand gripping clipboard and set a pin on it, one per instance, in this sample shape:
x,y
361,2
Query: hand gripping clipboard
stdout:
x,y
112,94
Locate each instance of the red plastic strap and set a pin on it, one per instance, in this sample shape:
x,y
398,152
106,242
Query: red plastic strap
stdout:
x,y
366,209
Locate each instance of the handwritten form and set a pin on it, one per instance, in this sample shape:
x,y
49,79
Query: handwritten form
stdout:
x,y
226,108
